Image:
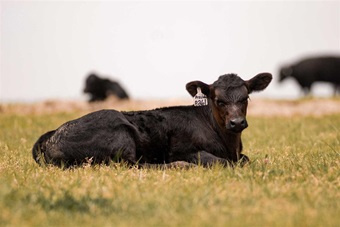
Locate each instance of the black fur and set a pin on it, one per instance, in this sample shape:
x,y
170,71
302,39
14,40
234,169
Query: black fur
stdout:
x,y
311,70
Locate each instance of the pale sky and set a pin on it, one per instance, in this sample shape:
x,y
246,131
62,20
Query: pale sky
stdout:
x,y
154,48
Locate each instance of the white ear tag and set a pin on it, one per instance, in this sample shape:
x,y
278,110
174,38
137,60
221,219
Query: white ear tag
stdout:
x,y
200,99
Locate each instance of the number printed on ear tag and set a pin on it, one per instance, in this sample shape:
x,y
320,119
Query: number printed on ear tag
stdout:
x,y
200,99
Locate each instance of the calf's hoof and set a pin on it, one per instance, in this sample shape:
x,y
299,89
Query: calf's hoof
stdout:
x,y
243,160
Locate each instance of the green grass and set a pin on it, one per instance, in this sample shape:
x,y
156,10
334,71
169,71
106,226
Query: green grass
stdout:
x,y
293,180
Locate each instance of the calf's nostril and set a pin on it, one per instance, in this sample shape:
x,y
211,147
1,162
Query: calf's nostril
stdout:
x,y
243,122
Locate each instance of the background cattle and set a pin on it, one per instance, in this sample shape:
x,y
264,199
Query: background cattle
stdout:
x,y
311,70
100,88
195,134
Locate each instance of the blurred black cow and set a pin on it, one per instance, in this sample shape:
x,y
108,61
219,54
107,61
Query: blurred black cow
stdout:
x,y
310,70
100,88
192,134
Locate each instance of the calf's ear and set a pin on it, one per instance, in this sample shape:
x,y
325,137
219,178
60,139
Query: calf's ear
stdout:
x,y
258,82
192,88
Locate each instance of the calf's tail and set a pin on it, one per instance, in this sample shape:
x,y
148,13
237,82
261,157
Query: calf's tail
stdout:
x,y
38,148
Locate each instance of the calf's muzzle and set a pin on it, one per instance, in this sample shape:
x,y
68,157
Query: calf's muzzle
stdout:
x,y
237,124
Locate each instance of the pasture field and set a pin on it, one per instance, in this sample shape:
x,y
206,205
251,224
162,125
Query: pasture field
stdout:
x,y
293,180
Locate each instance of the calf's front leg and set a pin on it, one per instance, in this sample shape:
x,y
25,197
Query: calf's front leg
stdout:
x,y
207,160
243,159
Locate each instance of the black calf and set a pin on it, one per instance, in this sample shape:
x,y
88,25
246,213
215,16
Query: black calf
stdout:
x,y
194,134
100,88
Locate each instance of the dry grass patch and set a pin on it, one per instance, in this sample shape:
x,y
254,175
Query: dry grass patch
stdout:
x,y
293,180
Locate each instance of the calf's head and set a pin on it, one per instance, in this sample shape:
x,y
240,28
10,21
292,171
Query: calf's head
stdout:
x,y
228,98
285,72
92,83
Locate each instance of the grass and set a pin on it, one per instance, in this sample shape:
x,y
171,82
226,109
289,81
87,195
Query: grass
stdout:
x,y
293,180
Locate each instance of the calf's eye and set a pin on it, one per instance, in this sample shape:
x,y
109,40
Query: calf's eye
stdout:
x,y
220,103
